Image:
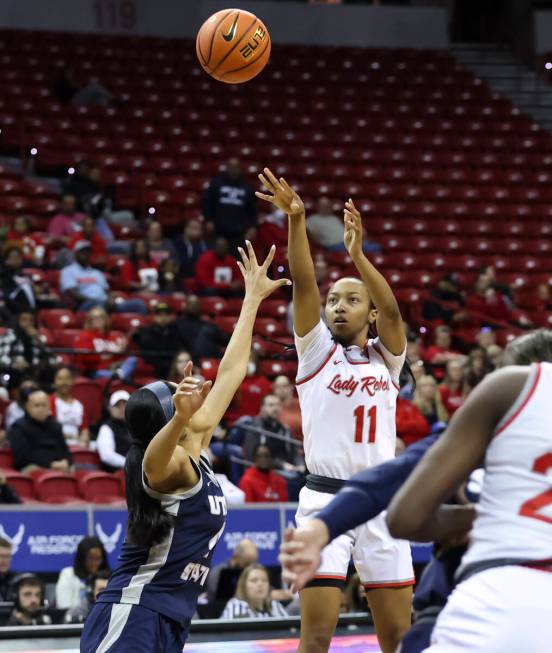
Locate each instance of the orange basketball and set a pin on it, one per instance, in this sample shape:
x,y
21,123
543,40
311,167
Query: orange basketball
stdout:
x,y
233,46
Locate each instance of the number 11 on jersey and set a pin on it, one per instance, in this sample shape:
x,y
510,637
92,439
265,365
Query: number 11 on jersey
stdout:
x,y
359,413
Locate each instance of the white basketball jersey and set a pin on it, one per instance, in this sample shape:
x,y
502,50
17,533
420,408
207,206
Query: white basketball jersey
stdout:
x,y
514,514
348,404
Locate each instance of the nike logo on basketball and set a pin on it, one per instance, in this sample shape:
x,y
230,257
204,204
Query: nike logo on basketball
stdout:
x,y
232,32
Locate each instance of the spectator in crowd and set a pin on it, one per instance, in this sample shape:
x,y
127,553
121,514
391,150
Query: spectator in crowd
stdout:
x,y
356,595
69,89
88,287
543,299
74,581
490,304
36,439
31,244
258,430
202,338
445,302
227,573
217,272
8,494
114,440
29,602
140,271
227,455
80,185
272,230
178,365
6,574
485,337
252,598
67,220
21,350
16,289
229,205
68,410
16,408
290,413
89,232
411,424
428,400
160,341
169,277
439,354
326,229
189,246
260,482
97,583
107,357
453,389
478,367
160,248
249,397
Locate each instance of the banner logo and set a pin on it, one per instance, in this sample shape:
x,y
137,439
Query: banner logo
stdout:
x,y
109,541
16,540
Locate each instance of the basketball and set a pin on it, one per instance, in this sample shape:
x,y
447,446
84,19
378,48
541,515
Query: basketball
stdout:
x,y
233,46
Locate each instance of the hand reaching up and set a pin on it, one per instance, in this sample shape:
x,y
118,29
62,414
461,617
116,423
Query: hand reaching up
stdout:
x,y
283,196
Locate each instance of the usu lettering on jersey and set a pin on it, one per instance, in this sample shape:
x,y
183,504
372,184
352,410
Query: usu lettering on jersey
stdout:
x,y
168,577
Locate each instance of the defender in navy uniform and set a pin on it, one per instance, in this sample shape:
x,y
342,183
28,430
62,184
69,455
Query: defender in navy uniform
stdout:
x,y
176,509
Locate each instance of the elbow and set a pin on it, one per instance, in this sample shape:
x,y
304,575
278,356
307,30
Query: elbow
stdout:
x,y
401,526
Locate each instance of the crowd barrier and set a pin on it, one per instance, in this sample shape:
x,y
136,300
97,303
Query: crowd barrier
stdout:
x,y
45,539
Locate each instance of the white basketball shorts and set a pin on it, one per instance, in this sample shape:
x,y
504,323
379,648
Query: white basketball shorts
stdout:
x,y
380,560
500,610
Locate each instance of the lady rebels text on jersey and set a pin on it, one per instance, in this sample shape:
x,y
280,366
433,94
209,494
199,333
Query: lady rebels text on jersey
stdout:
x,y
168,577
348,397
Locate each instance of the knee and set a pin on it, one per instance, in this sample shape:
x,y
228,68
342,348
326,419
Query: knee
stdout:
x,y
390,637
317,641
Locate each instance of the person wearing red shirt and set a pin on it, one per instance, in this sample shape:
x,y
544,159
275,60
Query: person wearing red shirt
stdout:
x,y
453,390
67,221
89,233
109,348
32,246
290,414
261,483
441,351
248,399
217,272
411,424
139,272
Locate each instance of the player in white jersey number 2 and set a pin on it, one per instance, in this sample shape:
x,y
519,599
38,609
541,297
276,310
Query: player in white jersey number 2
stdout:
x,y
347,386
502,602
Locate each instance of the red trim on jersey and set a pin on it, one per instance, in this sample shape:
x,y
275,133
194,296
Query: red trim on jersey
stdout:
x,y
311,376
356,362
523,404
328,576
539,568
401,583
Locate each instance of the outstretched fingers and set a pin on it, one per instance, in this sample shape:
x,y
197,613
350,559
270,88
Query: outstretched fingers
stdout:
x,y
270,257
246,262
251,253
273,180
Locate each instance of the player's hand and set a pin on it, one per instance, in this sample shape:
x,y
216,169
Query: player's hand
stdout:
x,y
352,237
190,394
257,283
283,196
300,552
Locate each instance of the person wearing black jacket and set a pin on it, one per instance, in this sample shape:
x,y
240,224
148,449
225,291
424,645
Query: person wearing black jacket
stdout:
x,y
36,439
201,338
16,289
21,350
160,341
229,205
189,246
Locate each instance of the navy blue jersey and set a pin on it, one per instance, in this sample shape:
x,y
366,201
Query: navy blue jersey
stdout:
x,y
168,577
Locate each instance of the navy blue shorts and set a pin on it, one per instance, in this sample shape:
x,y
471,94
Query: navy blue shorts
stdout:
x,y
417,638
121,628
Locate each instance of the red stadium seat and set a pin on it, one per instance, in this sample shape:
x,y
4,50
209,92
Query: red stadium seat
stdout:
x,y
128,322
57,487
6,459
57,318
270,328
209,368
85,458
90,394
273,308
272,368
100,487
22,484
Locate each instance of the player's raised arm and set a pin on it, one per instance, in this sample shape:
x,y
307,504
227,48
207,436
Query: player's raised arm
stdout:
x,y
306,296
389,320
233,365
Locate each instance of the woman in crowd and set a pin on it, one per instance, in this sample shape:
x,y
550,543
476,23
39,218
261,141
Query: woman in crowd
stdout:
x,y
139,271
252,598
73,582
453,389
428,400
68,410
